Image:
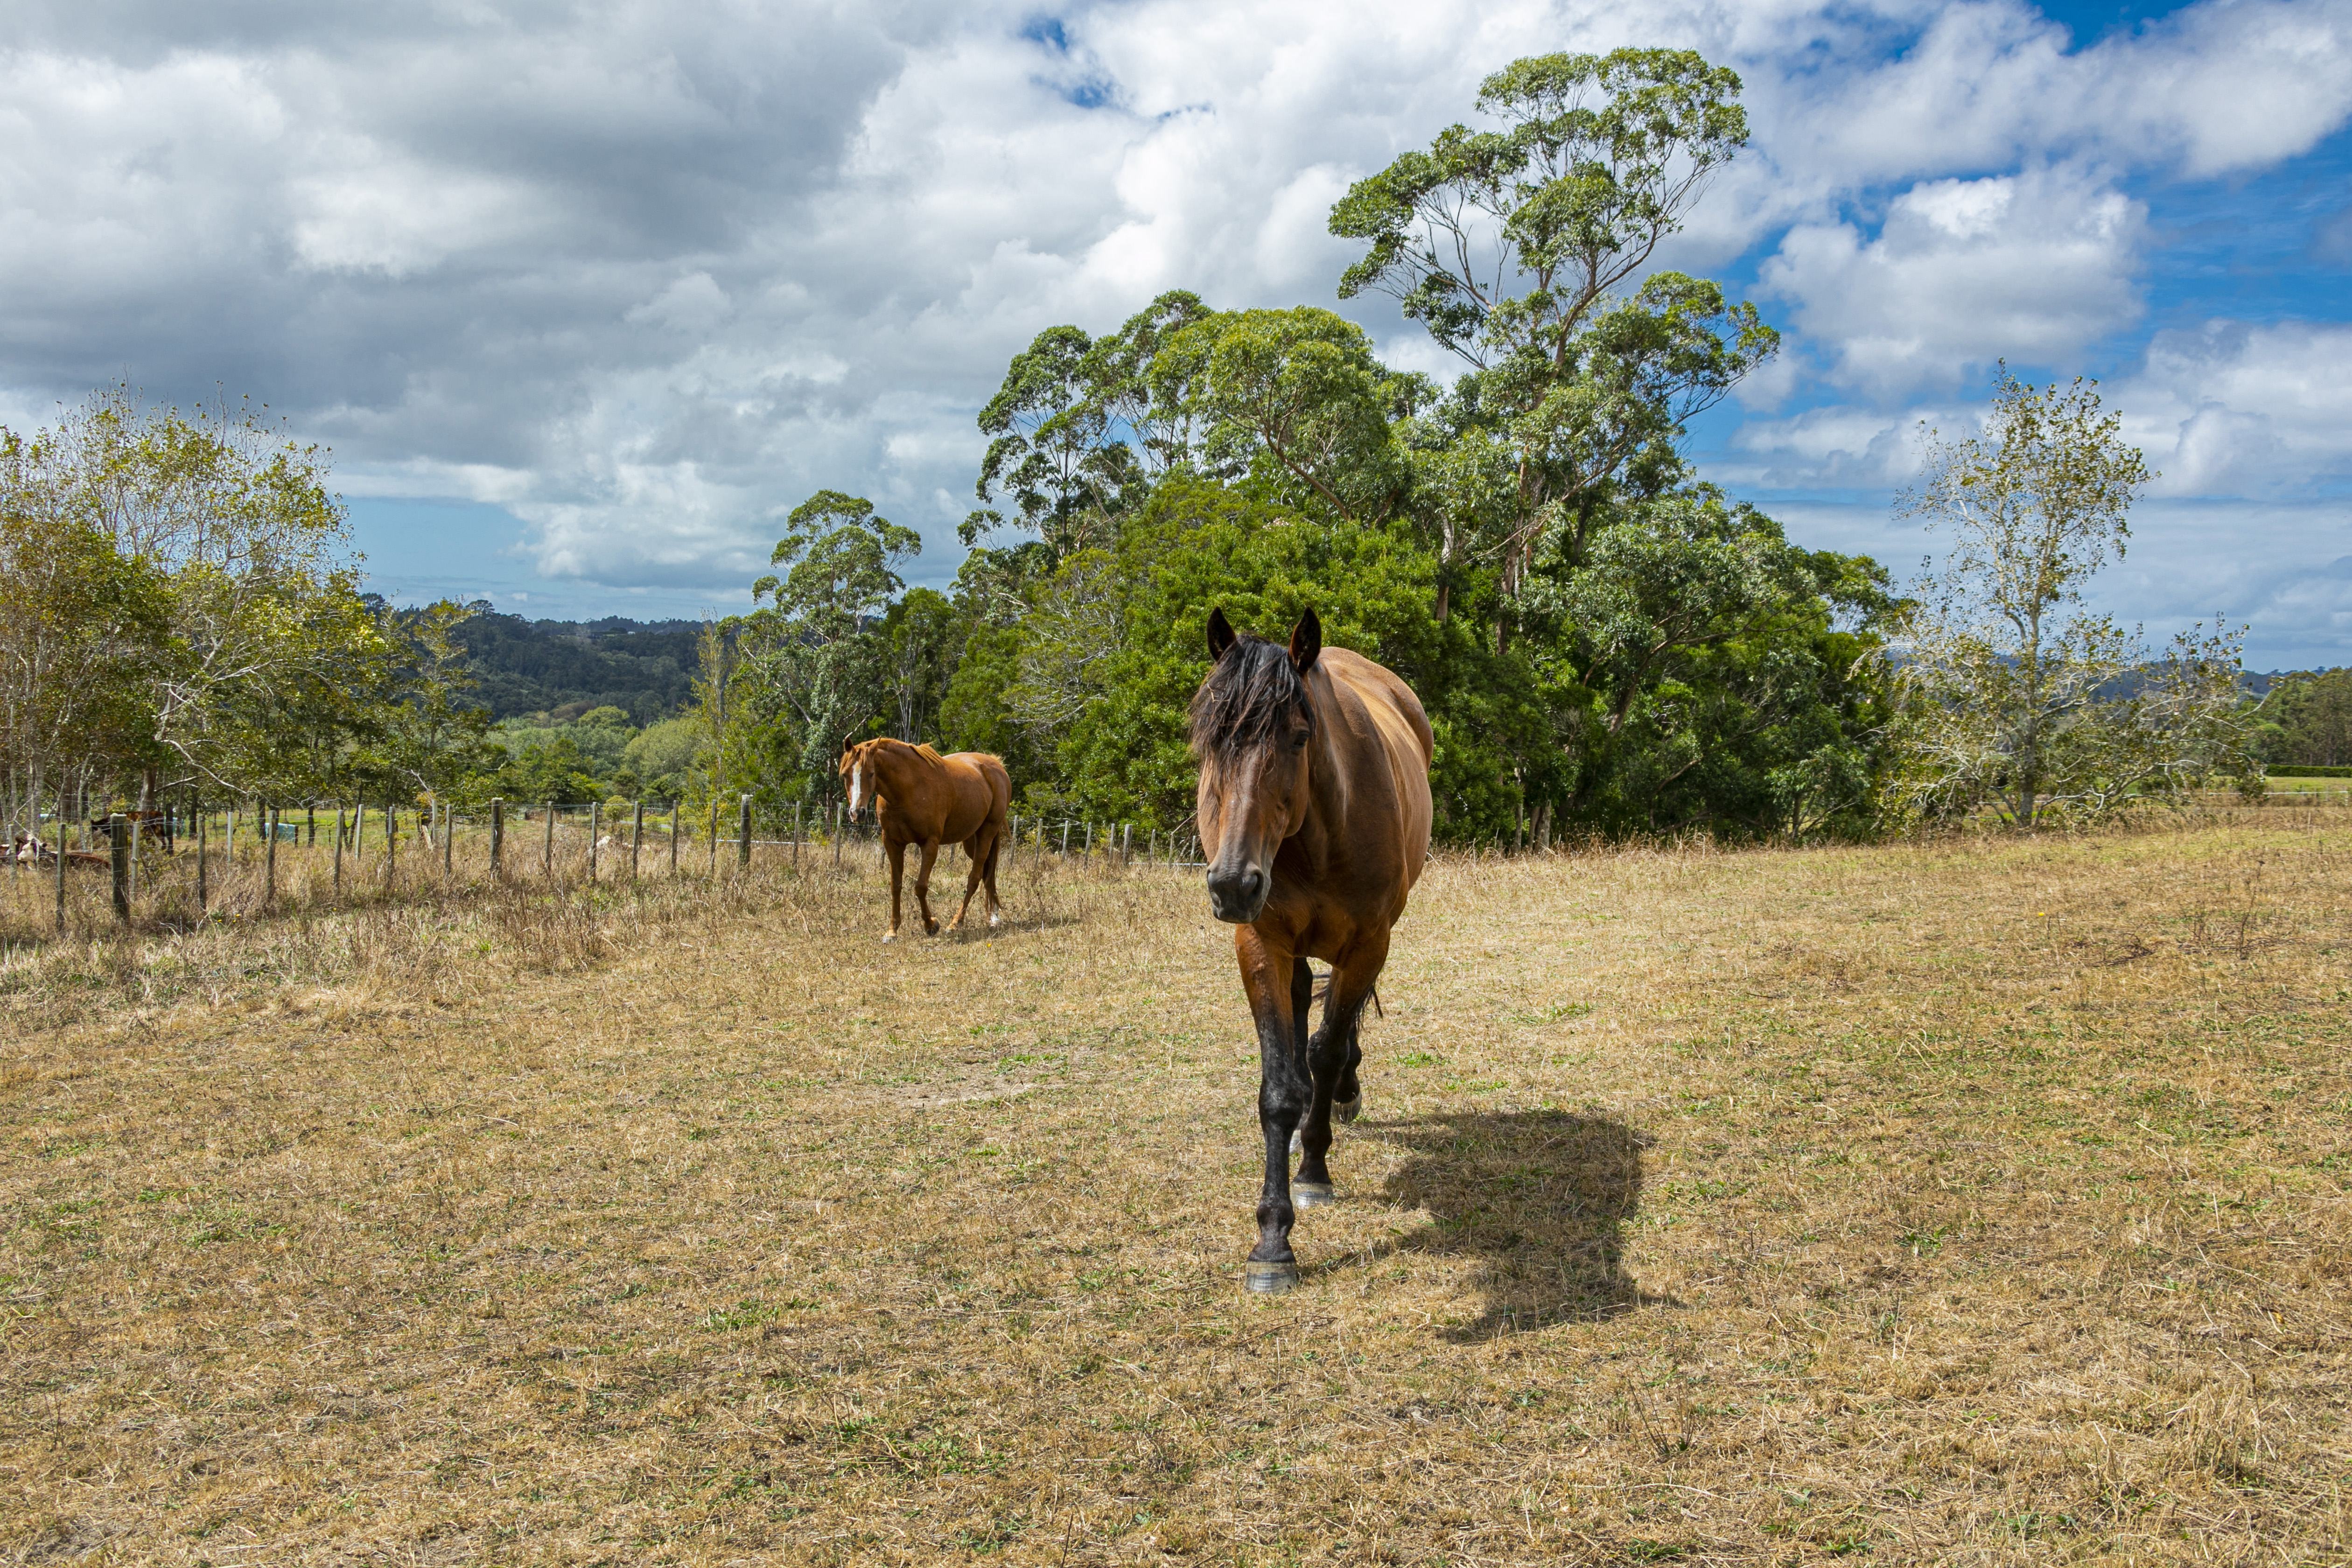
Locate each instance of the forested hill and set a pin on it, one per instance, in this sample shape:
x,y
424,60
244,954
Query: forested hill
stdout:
x,y
644,667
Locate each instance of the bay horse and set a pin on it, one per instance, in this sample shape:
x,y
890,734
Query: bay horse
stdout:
x,y
1314,812
921,797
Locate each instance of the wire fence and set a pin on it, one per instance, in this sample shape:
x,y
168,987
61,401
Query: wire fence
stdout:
x,y
170,868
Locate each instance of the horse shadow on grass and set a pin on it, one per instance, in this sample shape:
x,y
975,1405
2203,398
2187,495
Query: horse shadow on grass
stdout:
x,y
1542,1197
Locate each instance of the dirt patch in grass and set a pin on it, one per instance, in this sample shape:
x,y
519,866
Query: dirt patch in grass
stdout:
x,y
1974,1203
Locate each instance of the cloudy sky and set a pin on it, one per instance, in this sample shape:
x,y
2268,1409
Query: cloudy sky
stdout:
x,y
585,296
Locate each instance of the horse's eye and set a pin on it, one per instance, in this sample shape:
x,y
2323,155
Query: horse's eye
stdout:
x,y
1298,743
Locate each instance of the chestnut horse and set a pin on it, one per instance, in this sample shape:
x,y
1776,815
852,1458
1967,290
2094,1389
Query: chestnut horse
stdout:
x,y
1314,812
921,797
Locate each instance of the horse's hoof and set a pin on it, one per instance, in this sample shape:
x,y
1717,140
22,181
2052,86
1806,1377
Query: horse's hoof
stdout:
x,y
996,920
1349,1110
1269,1278
889,936
1312,1194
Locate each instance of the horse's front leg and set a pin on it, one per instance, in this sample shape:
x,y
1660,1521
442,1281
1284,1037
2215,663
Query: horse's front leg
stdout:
x,y
923,886
1270,978
1352,974
897,851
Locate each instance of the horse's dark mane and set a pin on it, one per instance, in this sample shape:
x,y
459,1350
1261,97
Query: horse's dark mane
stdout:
x,y
1249,692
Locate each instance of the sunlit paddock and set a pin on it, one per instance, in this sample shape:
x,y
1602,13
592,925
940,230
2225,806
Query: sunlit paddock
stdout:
x,y
1981,1201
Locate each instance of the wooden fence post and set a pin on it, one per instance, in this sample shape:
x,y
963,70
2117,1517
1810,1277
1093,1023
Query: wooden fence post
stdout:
x,y
391,844
547,849
117,844
498,832
595,825
338,848
743,834
60,848
673,837
270,873
636,840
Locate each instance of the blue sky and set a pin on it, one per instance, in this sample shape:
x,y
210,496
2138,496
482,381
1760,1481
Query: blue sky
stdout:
x,y
585,299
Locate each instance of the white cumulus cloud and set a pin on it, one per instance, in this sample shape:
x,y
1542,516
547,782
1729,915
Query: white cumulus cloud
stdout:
x,y
1962,272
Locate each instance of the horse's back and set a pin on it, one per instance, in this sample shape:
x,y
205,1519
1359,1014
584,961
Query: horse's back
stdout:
x,y
983,780
1406,748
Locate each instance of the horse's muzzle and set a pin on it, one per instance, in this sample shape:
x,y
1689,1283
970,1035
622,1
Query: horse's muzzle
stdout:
x,y
1237,896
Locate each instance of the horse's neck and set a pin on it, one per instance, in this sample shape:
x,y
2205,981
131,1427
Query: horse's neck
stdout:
x,y
1330,790
896,765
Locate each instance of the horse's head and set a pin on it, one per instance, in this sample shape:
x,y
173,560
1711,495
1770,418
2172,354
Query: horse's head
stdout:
x,y
1252,724
859,774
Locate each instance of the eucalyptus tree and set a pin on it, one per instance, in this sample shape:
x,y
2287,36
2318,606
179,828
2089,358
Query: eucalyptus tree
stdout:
x,y
804,667
1292,397
2014,693
1522,250
1079,430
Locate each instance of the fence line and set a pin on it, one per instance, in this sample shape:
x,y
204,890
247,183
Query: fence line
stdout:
x,y
248,858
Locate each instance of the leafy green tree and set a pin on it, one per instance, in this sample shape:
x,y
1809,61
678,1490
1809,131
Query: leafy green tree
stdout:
x,y
1708,674
1293,398
257,661
1079,428
555,770
664,756
1054,456
1519,249
435,741
1128,666
921,635
81,627
807,667
2013,694
2307,720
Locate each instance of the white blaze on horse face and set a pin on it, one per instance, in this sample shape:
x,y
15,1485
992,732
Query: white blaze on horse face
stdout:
x,y
856,784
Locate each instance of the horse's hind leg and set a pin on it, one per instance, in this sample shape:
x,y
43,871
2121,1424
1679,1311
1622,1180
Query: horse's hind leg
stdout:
x,y
1347,1095
923,886
1330,1060
988,873
977,857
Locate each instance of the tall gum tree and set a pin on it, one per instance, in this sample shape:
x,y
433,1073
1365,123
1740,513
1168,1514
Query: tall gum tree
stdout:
x,y
1522,250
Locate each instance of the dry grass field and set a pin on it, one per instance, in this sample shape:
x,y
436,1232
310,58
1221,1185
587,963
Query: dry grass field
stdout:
x,y
1971,1203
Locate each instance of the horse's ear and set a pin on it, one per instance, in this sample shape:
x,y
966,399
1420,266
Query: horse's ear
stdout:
x,y
849,742
1306,642
1221,634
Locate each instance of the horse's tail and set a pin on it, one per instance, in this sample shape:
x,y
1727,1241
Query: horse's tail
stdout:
x,y
1323,994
